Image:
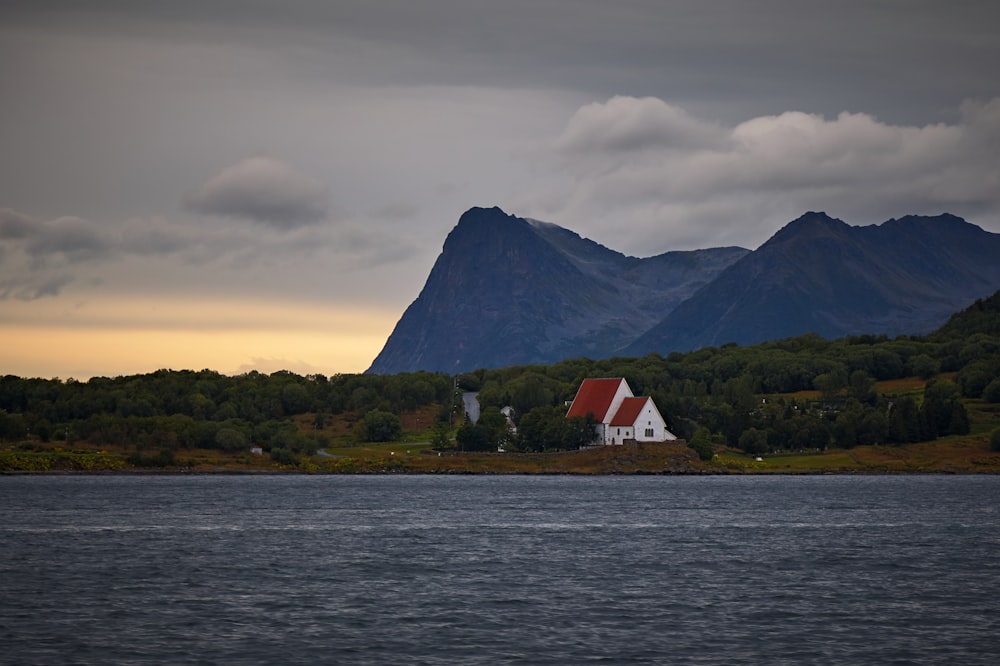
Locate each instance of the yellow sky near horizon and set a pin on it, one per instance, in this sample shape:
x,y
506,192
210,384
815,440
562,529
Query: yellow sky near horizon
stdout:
x,y
133,336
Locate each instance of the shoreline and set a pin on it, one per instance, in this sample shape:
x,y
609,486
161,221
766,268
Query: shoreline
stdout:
x,y
968,455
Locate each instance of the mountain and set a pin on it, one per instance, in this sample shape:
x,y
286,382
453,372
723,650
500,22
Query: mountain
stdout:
x,y
510,291
820,275
513,291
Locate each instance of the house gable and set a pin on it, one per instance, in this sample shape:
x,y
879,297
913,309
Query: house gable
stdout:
x,y
629,412
600,397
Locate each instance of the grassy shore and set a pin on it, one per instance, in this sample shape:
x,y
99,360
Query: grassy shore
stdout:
x,y
968,454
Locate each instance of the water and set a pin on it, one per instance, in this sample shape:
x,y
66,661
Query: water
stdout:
x,y
494,570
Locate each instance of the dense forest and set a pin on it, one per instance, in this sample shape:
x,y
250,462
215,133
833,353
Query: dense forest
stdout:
x,y
793,394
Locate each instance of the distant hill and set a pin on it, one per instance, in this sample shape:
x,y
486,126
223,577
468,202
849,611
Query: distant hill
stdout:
x,y
982,317
820,275
508,291
511,291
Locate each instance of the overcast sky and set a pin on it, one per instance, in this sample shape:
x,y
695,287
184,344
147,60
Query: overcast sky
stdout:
x,y
257,184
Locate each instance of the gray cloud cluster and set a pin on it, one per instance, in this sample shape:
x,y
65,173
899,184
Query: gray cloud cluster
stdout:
x,y
265,190
673,178
41,257
67,239
64,240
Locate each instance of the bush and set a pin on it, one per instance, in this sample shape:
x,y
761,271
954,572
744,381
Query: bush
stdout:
x,y
165,458
283,456
995,440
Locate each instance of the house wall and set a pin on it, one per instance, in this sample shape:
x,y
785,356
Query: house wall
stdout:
x,y
618,434
650,426
606,433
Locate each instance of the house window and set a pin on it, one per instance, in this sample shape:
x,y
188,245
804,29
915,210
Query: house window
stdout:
x,y
649,432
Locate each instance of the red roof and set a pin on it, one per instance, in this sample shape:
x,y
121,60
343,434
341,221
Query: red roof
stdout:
x,y
594,397
629,412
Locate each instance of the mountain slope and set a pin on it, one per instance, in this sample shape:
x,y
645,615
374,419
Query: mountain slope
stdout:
x,y
980,318
509,291
820,275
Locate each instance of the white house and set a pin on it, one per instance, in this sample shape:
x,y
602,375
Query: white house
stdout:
x,y
621,417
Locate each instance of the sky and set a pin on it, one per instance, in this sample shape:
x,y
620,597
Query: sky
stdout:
x,y
265,185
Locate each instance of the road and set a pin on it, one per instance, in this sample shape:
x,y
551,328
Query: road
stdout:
x,y
471,401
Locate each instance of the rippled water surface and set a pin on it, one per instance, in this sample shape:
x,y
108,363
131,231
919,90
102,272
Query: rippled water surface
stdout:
x,y
492,570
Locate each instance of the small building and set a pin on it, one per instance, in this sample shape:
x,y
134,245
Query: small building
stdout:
x,y
621,417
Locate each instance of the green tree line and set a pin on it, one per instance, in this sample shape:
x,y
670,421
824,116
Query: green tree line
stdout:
x,y
727,394
168,410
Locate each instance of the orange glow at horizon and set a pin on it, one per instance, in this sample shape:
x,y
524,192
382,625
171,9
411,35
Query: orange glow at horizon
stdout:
x,y
128,338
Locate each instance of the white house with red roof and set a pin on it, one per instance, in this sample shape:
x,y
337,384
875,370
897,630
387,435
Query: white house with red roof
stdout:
x,y
621,417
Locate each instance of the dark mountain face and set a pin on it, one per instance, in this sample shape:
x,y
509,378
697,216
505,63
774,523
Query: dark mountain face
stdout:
x,y
821,275
510,291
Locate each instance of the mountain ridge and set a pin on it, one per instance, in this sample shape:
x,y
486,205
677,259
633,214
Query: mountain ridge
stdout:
x,y
818,274
513,291
509,291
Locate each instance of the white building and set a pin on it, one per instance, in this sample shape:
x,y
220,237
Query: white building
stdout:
x,y
621,417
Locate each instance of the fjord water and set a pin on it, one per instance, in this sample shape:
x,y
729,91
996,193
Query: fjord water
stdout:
x,y
492,570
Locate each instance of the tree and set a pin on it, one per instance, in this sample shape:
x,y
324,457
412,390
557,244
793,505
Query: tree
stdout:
x,y
904,421
753,441
530,391
547,428
924,366
488,434
992,391
439,436
943,410
975,377
295,398
701,443
531,431
829,384
473,437
230,439
577,431
381,426
861,387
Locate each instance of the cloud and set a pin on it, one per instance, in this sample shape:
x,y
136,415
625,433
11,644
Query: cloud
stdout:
x,y
156,236
15,225
629,124
32,289
37,253
71,239
396,211
265,190
671,179
272,365
42,258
